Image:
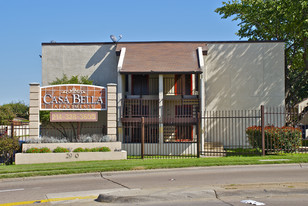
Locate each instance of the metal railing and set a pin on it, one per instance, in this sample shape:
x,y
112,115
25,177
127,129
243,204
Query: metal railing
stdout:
x,y
19,130
173,134
254,132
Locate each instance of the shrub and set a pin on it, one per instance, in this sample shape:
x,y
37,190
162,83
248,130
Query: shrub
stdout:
x,y
87,150
38,150
94,138
46,139
104,149
97,149
45,150
60,150
277,139
79,149
8,146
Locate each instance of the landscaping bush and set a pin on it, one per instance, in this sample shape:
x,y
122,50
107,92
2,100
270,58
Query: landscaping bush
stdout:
x,y
277,139
97,149
60,150
79,149
104,149
38,150
45,150
8,146
46,139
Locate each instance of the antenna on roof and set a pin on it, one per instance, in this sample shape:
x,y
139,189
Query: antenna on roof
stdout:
x,y
114,38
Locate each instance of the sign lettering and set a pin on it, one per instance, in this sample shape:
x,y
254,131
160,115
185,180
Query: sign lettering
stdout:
x,y
73,97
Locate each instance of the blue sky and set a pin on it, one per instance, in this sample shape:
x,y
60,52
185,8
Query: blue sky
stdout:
x,y
24,25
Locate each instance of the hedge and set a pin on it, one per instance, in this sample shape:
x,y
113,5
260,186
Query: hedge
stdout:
x,y
8,146
277,139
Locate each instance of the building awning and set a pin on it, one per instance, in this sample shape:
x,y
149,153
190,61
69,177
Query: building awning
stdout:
x,y
161,57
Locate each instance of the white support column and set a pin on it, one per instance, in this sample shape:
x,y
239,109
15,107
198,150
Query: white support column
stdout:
x,y
112,111
161,107
193,84
120,93
34,111
202,94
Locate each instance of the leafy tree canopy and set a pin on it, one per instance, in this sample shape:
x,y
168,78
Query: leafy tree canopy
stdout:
x,y
73,80
284,20
6,114
9,111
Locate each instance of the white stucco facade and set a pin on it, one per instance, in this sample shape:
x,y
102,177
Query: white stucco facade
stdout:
x,y
240,76
97,61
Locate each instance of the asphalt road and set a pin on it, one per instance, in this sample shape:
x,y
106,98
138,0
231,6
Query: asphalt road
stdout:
x,y
227,185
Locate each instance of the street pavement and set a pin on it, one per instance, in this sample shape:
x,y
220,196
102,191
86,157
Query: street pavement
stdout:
x,y
283,184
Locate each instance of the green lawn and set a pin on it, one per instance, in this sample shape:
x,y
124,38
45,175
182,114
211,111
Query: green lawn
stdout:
x,y
13,171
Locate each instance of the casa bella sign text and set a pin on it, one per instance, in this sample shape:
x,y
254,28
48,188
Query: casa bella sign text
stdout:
x,y
73,97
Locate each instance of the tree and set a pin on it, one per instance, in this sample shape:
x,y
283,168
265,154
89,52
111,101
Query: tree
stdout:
x,y
9,111
284,20
6,115
72,80
45,115
20,109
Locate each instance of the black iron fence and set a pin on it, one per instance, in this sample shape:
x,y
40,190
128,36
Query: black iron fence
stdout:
x,y
153,129
19,130
269,130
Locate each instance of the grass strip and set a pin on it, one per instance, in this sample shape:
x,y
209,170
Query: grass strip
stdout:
x,y
17,171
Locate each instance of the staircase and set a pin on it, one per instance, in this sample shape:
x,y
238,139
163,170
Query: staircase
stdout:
x,y
213,149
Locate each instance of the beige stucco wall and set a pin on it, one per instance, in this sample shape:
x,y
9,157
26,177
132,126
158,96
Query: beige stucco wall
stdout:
x,y
244,75
97,61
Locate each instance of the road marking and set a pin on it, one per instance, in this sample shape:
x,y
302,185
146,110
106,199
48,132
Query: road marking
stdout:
x,y
12,190
48,200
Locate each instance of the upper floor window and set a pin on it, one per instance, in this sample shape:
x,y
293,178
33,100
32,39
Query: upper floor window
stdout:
x,y
140,84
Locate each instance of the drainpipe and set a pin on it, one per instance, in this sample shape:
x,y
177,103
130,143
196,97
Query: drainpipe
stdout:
x,y
202,95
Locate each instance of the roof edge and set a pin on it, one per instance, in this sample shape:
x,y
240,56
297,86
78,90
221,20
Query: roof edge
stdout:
x,y
162,72
150,42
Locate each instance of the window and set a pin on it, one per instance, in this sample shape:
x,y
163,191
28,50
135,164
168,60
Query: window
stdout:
x,y
140,84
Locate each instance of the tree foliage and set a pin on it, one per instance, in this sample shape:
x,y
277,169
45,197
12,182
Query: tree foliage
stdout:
x,y
9,111
284,20
8,146
6,115
72,80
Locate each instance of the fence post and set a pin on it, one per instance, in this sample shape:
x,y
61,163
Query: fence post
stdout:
x,y
262,130
198,134
142,137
